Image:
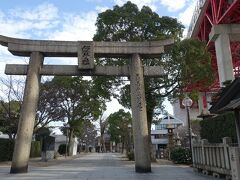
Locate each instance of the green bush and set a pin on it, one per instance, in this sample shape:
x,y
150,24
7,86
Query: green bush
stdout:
x,y
214,129
6,149
130,156
181,156
62,149
35,149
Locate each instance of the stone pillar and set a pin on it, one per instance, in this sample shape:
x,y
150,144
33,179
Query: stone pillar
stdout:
x,y
140,128
202,107
224,58
237,124
226,142
27,117
200,103
203,143
235,162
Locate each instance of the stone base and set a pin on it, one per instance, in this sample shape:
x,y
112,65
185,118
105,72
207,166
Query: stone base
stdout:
x,y
16,170
48,155
228,177
143,169
206,172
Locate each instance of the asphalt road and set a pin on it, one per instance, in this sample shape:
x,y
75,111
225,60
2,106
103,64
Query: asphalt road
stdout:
x,y
98,166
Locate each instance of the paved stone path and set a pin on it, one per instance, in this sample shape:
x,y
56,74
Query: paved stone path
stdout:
x,y
98,166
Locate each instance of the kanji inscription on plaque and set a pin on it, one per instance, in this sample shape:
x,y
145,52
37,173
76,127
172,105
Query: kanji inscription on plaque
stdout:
x,y
85,55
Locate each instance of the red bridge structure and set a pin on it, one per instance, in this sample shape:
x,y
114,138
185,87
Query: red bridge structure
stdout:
x,y
217,22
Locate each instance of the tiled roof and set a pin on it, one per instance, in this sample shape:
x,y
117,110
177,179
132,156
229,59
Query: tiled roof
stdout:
x,y
169,119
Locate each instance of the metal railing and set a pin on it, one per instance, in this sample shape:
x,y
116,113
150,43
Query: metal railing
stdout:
x,y
196,13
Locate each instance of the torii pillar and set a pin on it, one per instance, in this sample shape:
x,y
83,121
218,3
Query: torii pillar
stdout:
x,y
140,128
85,51
27,116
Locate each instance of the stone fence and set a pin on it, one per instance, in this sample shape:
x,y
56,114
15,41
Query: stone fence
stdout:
x,y
219,160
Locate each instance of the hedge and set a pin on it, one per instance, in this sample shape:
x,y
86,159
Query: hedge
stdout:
x,y
7,146
62,149
130,156
35,149
214,129
181,155
6,149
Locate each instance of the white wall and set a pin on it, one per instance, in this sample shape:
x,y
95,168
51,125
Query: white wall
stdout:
x,y
194,112
61,139
182,113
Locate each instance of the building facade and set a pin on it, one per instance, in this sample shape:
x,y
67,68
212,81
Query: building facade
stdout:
x,y
159,136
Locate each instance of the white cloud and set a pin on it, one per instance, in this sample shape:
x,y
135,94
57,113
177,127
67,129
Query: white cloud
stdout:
x,y
76,27
186,16
139,3
17,22
45,25
173,5
113,106
101,8
44,11
10,27
4,51
7,58
1,15
95,1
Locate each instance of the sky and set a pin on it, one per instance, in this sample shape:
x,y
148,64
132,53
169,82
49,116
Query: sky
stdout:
x,y
70,20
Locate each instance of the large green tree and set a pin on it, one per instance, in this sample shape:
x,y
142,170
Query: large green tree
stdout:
x,y
74,100
184,62
118,127
11,99
87,133
48,108
9,115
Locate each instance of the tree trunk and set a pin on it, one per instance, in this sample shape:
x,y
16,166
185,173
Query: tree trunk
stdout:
x,y
102,144
70,142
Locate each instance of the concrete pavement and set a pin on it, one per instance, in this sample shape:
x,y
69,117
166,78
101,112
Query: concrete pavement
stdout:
x,y
98,166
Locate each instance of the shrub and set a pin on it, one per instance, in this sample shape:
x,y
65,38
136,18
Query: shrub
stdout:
x,y
130,156
62,149
181,156
6,149
214,129
35,149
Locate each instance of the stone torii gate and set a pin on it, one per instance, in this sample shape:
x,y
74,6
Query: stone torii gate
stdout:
x,y
85,51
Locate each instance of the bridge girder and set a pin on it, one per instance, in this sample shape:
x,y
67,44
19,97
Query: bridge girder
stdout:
x,y
215,12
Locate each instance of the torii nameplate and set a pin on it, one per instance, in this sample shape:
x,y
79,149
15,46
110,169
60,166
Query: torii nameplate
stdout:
x,y
85,55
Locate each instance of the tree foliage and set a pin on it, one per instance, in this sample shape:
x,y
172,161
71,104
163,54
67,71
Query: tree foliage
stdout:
x,y
118,126
188,63
128,23
9,116
73,100
87,133
184,63
10,105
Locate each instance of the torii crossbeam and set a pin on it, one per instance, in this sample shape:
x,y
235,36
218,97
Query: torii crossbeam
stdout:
x,y
85,51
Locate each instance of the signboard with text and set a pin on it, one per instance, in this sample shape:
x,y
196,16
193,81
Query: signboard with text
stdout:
x,y
85,55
